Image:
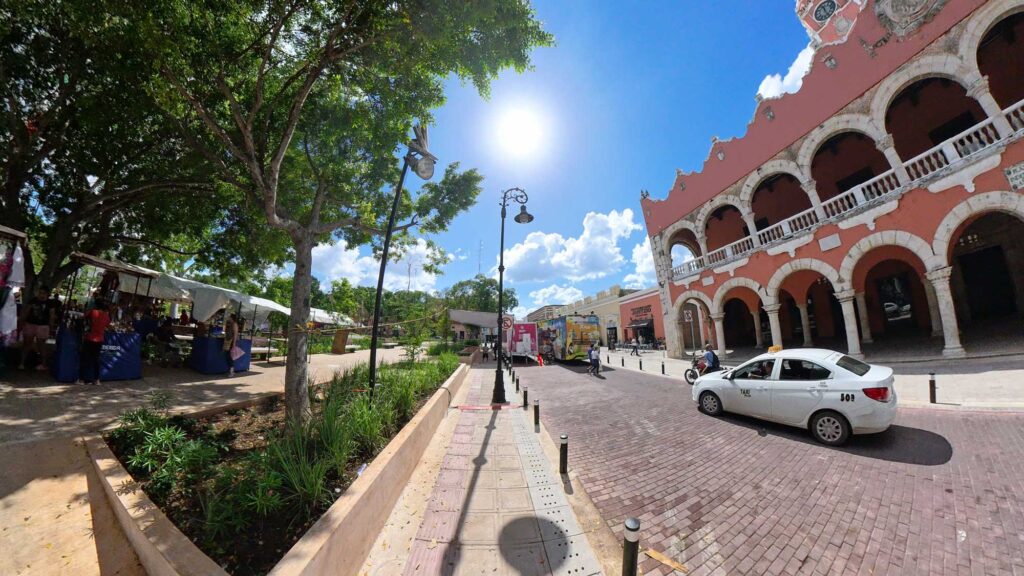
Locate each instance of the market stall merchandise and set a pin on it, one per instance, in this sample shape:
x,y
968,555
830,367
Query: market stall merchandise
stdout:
x,y
121,350
12,276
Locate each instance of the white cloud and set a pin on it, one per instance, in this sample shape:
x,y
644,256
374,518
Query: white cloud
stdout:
x,y
643,275
519,312
543,257
337,261
556,294
774,85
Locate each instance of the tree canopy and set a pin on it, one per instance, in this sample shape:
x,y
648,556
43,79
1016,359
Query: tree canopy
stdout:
x,y
481,294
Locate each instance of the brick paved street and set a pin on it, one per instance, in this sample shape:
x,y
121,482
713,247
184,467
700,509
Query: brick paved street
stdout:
x,y
941,492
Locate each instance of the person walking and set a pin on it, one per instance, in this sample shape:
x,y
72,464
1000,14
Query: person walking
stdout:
x,y
96,321
39,315
636,348
230,339
595,360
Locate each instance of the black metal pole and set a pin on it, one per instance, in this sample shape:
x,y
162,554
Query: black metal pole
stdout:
x,y
380,276
498,394
631,547
563,455
931,388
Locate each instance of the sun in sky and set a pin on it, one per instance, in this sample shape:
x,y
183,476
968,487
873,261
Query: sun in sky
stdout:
x,y
520,131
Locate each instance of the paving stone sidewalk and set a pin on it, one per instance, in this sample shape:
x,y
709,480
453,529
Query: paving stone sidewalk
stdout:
x,y
498,506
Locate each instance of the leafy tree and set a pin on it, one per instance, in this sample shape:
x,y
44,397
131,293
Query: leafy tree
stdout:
x,y
479,293
91,162
302,105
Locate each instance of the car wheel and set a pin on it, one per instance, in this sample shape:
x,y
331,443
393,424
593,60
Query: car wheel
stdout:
x,y
710,404
691,376
830,428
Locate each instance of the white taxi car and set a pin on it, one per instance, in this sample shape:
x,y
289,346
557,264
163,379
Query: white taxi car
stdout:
x,y
829,393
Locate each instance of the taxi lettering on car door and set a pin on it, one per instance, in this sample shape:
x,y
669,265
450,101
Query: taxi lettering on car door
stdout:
x,y
749,391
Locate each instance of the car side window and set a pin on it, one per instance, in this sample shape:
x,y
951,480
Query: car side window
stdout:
x,y
760,370
802,370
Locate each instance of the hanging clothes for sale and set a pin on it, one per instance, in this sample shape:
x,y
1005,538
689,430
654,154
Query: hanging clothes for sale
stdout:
x,y
12,275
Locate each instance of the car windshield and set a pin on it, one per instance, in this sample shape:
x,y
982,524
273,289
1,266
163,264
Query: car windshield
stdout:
x,y
853,365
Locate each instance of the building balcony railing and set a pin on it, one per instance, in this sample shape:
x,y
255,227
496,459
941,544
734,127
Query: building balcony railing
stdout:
x,y
959,148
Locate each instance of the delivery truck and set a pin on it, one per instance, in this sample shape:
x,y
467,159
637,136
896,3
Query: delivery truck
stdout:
x,y
569,337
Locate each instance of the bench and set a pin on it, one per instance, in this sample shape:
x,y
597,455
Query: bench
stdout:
x,y
389,345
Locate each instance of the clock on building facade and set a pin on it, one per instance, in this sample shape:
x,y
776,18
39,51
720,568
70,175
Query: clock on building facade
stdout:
x,y
825,10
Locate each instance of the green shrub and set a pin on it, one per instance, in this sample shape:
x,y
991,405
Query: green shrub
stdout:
x,y
367,425
303,476
470,343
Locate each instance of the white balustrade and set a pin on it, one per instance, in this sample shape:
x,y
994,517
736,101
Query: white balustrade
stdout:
x,y
976,139
879,186
931,161
843,203
1015,115
788,227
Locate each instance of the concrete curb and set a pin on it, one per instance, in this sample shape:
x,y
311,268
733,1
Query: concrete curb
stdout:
x,y
161,548
337,544
341,539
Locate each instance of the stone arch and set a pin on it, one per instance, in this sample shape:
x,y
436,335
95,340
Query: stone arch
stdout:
x,y
978,26
801,264
937,65
834,126
770,168
911,242
1008,202
714,204
675,228
693,295
735,282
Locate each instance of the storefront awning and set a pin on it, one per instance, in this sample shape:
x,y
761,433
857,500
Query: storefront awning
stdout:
x,y
644,324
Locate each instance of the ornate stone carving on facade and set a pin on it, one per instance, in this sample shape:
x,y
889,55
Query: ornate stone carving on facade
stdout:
x,y
904,17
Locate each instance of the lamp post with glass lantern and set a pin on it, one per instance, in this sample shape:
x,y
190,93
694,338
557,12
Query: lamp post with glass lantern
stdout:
x,y
524,217
422,163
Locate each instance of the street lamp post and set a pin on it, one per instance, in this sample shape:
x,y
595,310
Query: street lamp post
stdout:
x,y
524,217
422,162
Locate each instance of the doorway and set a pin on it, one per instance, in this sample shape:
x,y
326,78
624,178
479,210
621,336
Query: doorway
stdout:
x,y
989,285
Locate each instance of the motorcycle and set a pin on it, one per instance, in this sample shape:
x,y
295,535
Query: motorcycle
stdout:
x,y
695,370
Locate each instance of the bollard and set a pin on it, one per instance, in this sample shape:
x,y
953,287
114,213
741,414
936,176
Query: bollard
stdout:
x,y
536,414
641,364
609,359
662,367
623,361
517,383
931,387
526,398
563,455
631,548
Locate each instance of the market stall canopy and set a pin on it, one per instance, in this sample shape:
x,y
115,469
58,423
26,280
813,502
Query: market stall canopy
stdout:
x,y
12,233
642,324
474,318
261,308
114,266
324,317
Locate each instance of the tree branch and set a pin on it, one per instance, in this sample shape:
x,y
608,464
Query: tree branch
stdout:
x,y
131,240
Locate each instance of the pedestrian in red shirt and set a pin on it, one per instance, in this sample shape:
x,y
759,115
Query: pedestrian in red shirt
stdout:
x,y
96,321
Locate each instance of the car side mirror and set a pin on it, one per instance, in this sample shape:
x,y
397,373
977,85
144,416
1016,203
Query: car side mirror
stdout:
x,y
728,375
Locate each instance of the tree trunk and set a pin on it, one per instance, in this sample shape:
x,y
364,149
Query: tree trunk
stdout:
x,y
296,385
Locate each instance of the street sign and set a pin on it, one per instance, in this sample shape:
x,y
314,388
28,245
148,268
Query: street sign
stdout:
x,y
687,316
506,322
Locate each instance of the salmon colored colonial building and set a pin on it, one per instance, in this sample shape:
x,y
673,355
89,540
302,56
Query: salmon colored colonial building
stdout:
x,y
880,204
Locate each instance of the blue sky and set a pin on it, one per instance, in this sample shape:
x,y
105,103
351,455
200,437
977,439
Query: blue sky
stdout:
x,y
625,98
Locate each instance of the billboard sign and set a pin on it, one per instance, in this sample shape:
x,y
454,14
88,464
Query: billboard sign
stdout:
x,y
522,339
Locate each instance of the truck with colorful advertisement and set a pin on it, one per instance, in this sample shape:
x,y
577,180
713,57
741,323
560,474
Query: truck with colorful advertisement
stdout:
x,y
522,340
568,337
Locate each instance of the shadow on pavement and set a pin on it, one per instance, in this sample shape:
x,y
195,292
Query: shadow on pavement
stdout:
x,y
522,558
897,444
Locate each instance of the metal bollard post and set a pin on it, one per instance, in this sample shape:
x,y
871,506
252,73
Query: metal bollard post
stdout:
x,y
536,413
517,383
623,361
609,359
931,387
563,455
526,398
662,367
641,364
631,547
